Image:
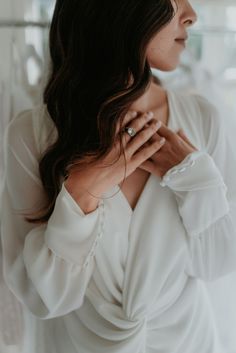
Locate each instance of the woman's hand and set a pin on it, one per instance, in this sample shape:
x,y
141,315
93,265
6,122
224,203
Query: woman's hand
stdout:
x,y
87,185
177,146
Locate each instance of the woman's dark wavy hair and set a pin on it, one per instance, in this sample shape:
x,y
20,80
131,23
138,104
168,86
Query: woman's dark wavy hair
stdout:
x,y
96,46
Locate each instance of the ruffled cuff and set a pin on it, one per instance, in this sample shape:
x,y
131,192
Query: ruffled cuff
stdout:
x,y
187,163
71,234
200,191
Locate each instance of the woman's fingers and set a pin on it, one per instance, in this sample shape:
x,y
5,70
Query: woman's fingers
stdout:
x,y
148,166
171,135
142,137
166,132
137,124
129,117
156,137
185,138
147,152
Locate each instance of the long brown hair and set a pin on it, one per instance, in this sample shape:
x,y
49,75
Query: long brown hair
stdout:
x,y
96,46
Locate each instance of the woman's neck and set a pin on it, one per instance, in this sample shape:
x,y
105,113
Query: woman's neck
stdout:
x,y
155,100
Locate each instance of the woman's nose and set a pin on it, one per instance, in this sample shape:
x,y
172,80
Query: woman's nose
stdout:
x,y
190,16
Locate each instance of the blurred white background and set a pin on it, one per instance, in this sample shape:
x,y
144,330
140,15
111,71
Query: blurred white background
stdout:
x,y
208,67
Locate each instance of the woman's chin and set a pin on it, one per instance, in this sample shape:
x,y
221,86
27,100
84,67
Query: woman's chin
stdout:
x,y
166,66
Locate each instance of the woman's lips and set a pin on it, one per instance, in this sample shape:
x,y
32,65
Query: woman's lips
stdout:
x,y
181,41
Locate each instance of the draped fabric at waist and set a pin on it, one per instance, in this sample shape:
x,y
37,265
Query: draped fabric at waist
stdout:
x,y
101,327
110,322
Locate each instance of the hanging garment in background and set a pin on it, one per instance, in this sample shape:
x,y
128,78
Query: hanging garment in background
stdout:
x,y
17,93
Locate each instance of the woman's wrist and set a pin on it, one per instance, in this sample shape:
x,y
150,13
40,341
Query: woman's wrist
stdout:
x,y
86,200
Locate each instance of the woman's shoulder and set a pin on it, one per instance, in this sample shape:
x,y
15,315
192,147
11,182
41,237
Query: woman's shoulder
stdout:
x,y
196,113
193,103
31,127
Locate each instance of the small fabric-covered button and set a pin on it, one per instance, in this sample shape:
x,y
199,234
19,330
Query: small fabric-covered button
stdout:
x,y
188,162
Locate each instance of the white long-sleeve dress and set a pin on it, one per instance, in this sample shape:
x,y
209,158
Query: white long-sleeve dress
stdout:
x,y
119,280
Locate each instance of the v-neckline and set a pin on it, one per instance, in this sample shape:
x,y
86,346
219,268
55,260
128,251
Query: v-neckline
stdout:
x,y
120,193
124,198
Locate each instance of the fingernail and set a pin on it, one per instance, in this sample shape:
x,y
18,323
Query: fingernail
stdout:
x,y
150,115
134,114
158,124
162,140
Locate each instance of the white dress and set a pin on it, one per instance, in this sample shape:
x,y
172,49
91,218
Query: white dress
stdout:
x,y
118,280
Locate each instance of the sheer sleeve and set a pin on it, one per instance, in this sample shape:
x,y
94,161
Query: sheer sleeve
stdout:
x,y
47,267
205,189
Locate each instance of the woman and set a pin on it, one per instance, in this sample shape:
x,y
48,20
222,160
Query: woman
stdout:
x,y
113,216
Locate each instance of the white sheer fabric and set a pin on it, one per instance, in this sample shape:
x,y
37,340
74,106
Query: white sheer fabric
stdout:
x,y
119,280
